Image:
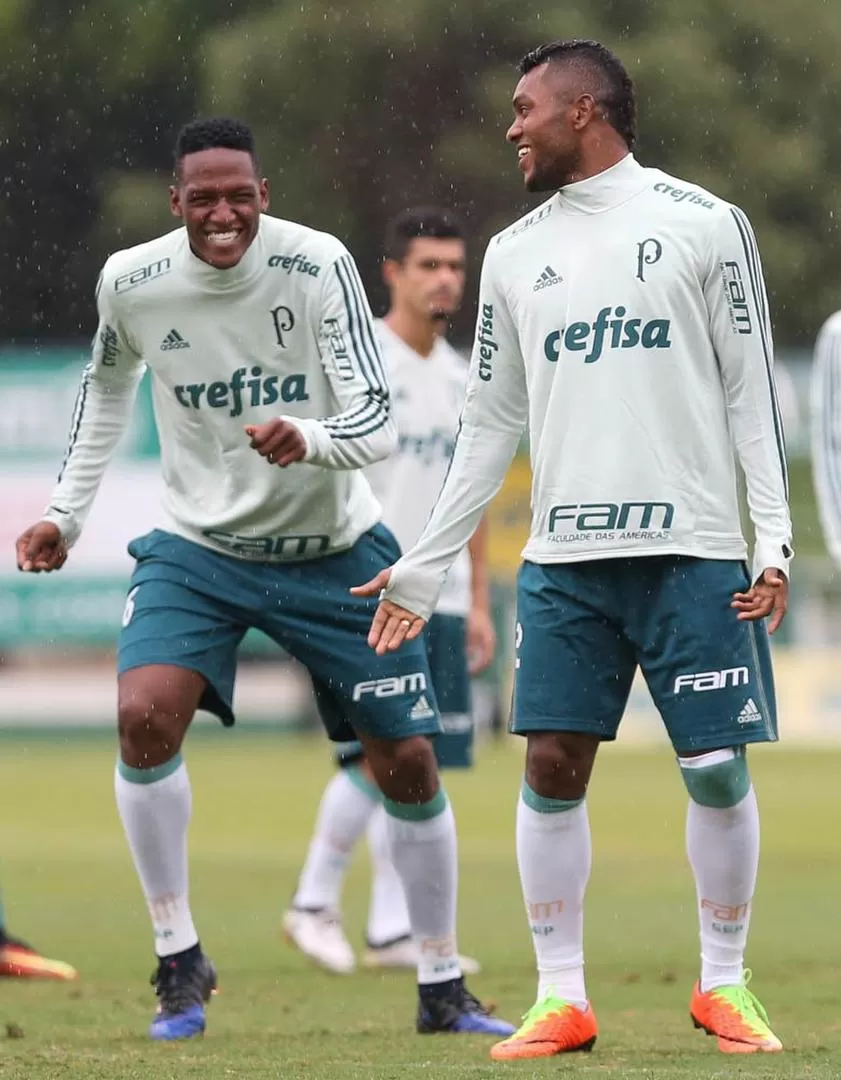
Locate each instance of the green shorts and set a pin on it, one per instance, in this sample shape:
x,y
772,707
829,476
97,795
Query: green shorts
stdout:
x,y
584,628
190,607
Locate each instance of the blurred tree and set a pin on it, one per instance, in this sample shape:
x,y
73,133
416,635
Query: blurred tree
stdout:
x,y
362,109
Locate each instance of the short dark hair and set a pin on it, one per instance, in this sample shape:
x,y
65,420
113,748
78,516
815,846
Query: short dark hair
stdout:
x,y
212,132
616,96
417,222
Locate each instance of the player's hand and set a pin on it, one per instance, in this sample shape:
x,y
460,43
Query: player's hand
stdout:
x,y
278,441
392,624
769,596
41,548
481,639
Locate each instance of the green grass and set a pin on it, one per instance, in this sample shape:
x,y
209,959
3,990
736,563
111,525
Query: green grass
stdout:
x,y
69,885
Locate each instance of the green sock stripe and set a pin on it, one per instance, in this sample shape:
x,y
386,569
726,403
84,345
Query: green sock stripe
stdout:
x,y
543,805
356,775
718,786
149,776
417,811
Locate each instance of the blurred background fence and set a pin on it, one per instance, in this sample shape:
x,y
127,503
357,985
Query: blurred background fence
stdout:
x,y
360,110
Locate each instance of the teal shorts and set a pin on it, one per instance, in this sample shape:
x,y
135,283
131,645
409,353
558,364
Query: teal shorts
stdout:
x,y
446,650
584,628
191,607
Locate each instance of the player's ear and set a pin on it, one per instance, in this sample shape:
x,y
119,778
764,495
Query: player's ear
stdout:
x,y
264,195
175,201
391,268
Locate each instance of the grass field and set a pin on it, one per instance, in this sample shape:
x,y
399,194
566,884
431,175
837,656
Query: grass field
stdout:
x,y
70,887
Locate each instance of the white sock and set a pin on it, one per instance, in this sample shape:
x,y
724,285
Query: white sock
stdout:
x,y
155,815
424,853
388,913
344,812
554,856
723,849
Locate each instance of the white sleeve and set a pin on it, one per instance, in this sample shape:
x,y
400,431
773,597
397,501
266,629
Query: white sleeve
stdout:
x,y
101,416
826,432
492,423
740,328
364,430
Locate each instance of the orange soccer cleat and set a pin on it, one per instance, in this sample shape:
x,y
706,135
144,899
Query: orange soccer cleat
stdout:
x,y
736,1016
552,1026
21,961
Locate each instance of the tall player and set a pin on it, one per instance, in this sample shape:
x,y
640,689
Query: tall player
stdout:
x,y
269,396
626,320
424,269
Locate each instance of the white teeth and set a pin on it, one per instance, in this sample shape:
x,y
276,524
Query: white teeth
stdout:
x,y
222,237
522,151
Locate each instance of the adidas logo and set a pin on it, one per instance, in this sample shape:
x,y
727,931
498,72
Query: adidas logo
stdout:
x,y
749,714
173,340
547,278
421,710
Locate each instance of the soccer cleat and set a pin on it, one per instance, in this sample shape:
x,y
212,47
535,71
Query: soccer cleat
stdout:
x,y
551,1026
183,984
319,936
403,953
736,1016
20,961
458,1013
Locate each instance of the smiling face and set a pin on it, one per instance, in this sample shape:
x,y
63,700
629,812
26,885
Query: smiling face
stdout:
x,y
220,198
551,114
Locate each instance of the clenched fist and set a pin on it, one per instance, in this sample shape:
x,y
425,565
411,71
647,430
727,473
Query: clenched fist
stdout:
x,y
41,547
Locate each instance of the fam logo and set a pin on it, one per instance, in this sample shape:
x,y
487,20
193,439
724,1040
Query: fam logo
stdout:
x,y
610,521
241,391
485,341
142,275
737,301
297,262
605,332
108,346
649,252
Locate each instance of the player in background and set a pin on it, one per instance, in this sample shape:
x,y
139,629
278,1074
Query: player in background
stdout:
x,y
424,270
269,396
19,960
625,319
826,431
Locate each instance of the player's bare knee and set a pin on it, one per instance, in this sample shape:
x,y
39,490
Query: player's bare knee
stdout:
x,y
404,769
149,734
558,764
717,778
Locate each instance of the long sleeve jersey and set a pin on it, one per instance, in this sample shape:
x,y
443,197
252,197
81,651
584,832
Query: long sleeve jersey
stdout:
x,y
826,431
427,394
286,332
625,321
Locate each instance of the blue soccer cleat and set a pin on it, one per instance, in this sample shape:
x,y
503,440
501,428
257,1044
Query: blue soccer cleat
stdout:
x,y
183,985
458,1012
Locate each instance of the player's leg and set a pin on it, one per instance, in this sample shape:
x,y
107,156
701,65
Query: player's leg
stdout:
x,y
389,940
573,675
176,651
713,684
313,923
19,960
389,703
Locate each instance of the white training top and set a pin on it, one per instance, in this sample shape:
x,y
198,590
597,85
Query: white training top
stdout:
x,y
288,331
427,396
626,321
826,431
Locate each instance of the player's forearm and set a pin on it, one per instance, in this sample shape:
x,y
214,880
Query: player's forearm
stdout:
x,y
349,441
479,581
767,504
100,418
479,465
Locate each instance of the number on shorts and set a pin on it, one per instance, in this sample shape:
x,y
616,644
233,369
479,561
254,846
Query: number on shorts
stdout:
x,y
128,610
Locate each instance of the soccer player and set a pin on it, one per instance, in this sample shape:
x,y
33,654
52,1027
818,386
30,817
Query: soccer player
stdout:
x,y
826,432
19,960
424,270
270,396
626,320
